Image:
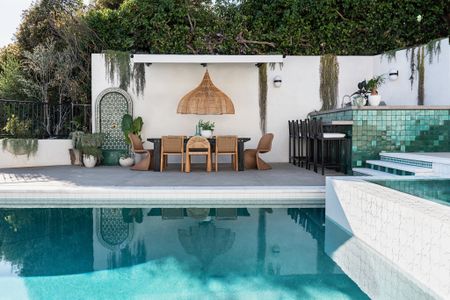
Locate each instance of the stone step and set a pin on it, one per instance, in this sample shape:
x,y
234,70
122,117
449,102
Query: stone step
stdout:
x,y
371,172
397,168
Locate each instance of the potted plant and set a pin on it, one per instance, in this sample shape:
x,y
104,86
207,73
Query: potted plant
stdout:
x,y
131,126
206,128
75,152
91,148
372,86
126,160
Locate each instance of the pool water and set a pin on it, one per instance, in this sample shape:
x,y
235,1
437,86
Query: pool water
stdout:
x,y
176,253
168,253
437,190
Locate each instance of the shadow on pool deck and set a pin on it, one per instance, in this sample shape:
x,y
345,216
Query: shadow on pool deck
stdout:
x,y
282,174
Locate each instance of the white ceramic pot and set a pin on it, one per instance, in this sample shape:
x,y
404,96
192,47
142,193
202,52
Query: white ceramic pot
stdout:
x,y
126,161
374,100
206,133
89,161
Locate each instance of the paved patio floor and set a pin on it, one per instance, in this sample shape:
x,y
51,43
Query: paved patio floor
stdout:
x,y
280,175
72,186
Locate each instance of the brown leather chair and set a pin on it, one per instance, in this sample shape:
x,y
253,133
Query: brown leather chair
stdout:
x,y
251,156
226,145
171,145
198,145
136,147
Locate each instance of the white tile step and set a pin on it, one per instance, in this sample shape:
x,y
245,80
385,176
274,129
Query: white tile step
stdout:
x,y
372,172
403,167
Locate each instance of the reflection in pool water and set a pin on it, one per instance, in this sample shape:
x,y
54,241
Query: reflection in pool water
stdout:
x,y
169,254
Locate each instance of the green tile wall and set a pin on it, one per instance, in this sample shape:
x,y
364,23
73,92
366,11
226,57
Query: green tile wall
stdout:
x,y
374,131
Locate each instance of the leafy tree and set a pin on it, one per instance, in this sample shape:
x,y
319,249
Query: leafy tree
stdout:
x,y
11,78
111,4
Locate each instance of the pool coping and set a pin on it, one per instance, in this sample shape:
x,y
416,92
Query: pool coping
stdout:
x,y
32,195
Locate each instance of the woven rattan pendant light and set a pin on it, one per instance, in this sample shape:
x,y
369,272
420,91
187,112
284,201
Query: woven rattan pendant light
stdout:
x,y
206,99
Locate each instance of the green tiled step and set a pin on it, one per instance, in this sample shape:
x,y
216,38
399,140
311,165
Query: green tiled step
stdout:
x,y
371,172
397,168
406,161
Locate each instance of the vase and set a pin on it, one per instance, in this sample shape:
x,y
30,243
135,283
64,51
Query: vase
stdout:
x,y
206,133
126,162
374,100
89,161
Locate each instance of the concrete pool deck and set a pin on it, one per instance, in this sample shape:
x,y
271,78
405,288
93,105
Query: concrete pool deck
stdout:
x,y
73,186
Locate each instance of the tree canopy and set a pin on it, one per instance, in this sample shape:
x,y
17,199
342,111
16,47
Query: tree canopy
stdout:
x,y
291,27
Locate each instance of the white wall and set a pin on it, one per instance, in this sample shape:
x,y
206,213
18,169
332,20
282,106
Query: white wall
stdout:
x,y
166,84
437,78
412,233
49,153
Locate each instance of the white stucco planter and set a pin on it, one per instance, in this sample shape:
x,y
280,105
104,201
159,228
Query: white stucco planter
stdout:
x,y
206,133
374,100
49,153
89,161
126,162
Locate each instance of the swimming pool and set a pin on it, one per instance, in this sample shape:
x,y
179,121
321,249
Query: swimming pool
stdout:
x,y
173,253
437,190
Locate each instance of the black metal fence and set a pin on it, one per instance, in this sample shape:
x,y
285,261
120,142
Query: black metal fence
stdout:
x,y
47,120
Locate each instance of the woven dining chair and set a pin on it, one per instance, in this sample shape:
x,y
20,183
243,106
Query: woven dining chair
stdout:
x,y
251,156
226,145
198,146
137,147
171,145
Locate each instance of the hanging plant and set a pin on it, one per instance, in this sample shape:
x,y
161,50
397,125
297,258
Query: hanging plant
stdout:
x,y
262,97
20,146
421,72
20,143
329,75
118,64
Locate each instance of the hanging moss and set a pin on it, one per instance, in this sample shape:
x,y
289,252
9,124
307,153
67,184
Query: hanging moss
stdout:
x,y
329,78
433,49
262,97
421,72
118,64
410,55
390,55
20,146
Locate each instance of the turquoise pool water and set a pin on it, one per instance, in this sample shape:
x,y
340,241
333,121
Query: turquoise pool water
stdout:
x,y
168,254
180,253
437,190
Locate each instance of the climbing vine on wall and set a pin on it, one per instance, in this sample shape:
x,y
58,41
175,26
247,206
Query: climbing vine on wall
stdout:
x,y
262,97
329,78
118,65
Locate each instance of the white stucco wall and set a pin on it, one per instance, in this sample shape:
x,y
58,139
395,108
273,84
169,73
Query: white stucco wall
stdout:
x,y
166,84
437,78
49,153
298,95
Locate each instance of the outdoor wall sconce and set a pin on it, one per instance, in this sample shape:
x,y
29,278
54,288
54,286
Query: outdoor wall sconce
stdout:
x,y
277,81
393,74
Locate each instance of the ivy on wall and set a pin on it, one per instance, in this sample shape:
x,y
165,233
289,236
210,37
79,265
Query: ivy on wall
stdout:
x,y
329,79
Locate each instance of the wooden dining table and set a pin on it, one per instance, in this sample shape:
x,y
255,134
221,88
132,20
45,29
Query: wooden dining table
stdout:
x,y
156,161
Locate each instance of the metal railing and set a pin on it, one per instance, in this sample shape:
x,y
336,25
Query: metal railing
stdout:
x,y
47,120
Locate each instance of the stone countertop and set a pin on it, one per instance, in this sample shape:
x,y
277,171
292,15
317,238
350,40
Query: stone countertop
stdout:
x,y
387,107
